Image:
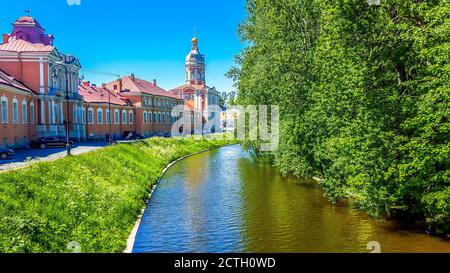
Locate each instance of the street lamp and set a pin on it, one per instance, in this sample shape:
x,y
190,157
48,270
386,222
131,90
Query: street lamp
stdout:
x,y
68,145
110,114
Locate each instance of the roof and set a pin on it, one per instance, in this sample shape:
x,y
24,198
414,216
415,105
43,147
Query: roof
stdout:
x,y
24,46
134,84
191,86
6,79
27,20
93,94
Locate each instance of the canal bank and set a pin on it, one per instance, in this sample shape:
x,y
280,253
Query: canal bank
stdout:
x,y
225,200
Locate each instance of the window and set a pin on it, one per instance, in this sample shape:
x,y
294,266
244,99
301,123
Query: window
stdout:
x,y
159,117
4,108
154,118
150,117
15,111
24,112
32,113
145,117
124,117
108,116
83,115
91,116
116,116
99,116
130,114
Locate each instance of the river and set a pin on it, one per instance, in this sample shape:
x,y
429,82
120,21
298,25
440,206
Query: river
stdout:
x,y
227,201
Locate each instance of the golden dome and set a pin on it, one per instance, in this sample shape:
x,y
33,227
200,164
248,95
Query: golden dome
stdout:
x,y
194,40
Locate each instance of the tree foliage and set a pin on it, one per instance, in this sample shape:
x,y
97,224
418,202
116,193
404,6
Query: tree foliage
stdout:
x,y
364,97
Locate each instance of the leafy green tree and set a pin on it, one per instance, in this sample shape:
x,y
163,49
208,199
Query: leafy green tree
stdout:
x,y
364,98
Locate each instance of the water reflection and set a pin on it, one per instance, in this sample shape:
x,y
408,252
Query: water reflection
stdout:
x,y
226,201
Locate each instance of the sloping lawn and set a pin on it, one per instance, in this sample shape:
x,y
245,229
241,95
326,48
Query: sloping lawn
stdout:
x,y
93,199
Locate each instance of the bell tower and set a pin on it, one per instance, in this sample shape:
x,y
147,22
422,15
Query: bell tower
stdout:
x,y
195,65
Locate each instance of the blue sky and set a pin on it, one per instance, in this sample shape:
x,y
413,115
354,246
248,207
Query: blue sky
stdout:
x,y
148,38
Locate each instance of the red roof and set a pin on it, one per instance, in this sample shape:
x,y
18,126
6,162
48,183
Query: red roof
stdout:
x,y
24,46
10,81
134,84
94,94
190,86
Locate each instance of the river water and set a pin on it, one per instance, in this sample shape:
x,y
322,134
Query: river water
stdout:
x,y
227,201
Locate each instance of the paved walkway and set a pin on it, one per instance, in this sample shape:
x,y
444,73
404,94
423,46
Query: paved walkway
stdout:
x,y
28,156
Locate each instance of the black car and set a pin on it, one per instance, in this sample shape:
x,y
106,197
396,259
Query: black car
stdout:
x,y
6,153
50,142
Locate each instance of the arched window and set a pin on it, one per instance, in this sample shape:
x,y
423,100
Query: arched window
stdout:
x,y
32,113
15,111
108,116
116,116
155,120
24,112
130,114
99,116
4,109
145,117
90,115
124,117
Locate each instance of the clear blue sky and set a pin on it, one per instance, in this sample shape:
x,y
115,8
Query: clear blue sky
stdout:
x,y
148,38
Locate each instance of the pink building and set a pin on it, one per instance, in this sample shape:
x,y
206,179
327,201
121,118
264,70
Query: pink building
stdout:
x,y
28,55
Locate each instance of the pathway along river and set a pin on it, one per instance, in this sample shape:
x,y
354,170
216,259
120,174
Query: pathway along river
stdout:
x,y
226,201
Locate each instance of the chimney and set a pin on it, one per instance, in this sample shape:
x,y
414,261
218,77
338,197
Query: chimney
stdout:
x,y
87,84
119,86
5,38
154,82
104,85
132,76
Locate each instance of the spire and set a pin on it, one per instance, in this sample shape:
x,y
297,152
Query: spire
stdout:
x,y
194,41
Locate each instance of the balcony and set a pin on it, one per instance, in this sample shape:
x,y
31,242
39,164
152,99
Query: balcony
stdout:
x,y
52,91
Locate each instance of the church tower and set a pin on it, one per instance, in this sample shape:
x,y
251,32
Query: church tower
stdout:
x,y
195,65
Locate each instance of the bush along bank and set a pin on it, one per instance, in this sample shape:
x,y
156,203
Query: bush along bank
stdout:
x,y
92,199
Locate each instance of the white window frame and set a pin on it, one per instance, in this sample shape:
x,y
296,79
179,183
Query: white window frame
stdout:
x,y
15,110
116,116
32,113
108,116
90,115
4,110
24,112
124,117
144,117
130,117
99,115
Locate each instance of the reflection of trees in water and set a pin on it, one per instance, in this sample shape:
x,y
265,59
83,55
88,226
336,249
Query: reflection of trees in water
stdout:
x,y
289,214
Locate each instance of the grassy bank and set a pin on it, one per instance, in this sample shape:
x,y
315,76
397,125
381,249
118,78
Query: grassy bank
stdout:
x,y
93,199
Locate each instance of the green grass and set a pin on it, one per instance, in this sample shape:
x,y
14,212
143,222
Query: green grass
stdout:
x,y
93,199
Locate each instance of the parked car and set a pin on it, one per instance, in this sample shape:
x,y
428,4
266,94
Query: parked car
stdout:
x,y
159,134
6,153
50,142
132,136
167,135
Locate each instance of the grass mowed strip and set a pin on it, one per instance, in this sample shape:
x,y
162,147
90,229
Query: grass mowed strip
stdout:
x,y
92,199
